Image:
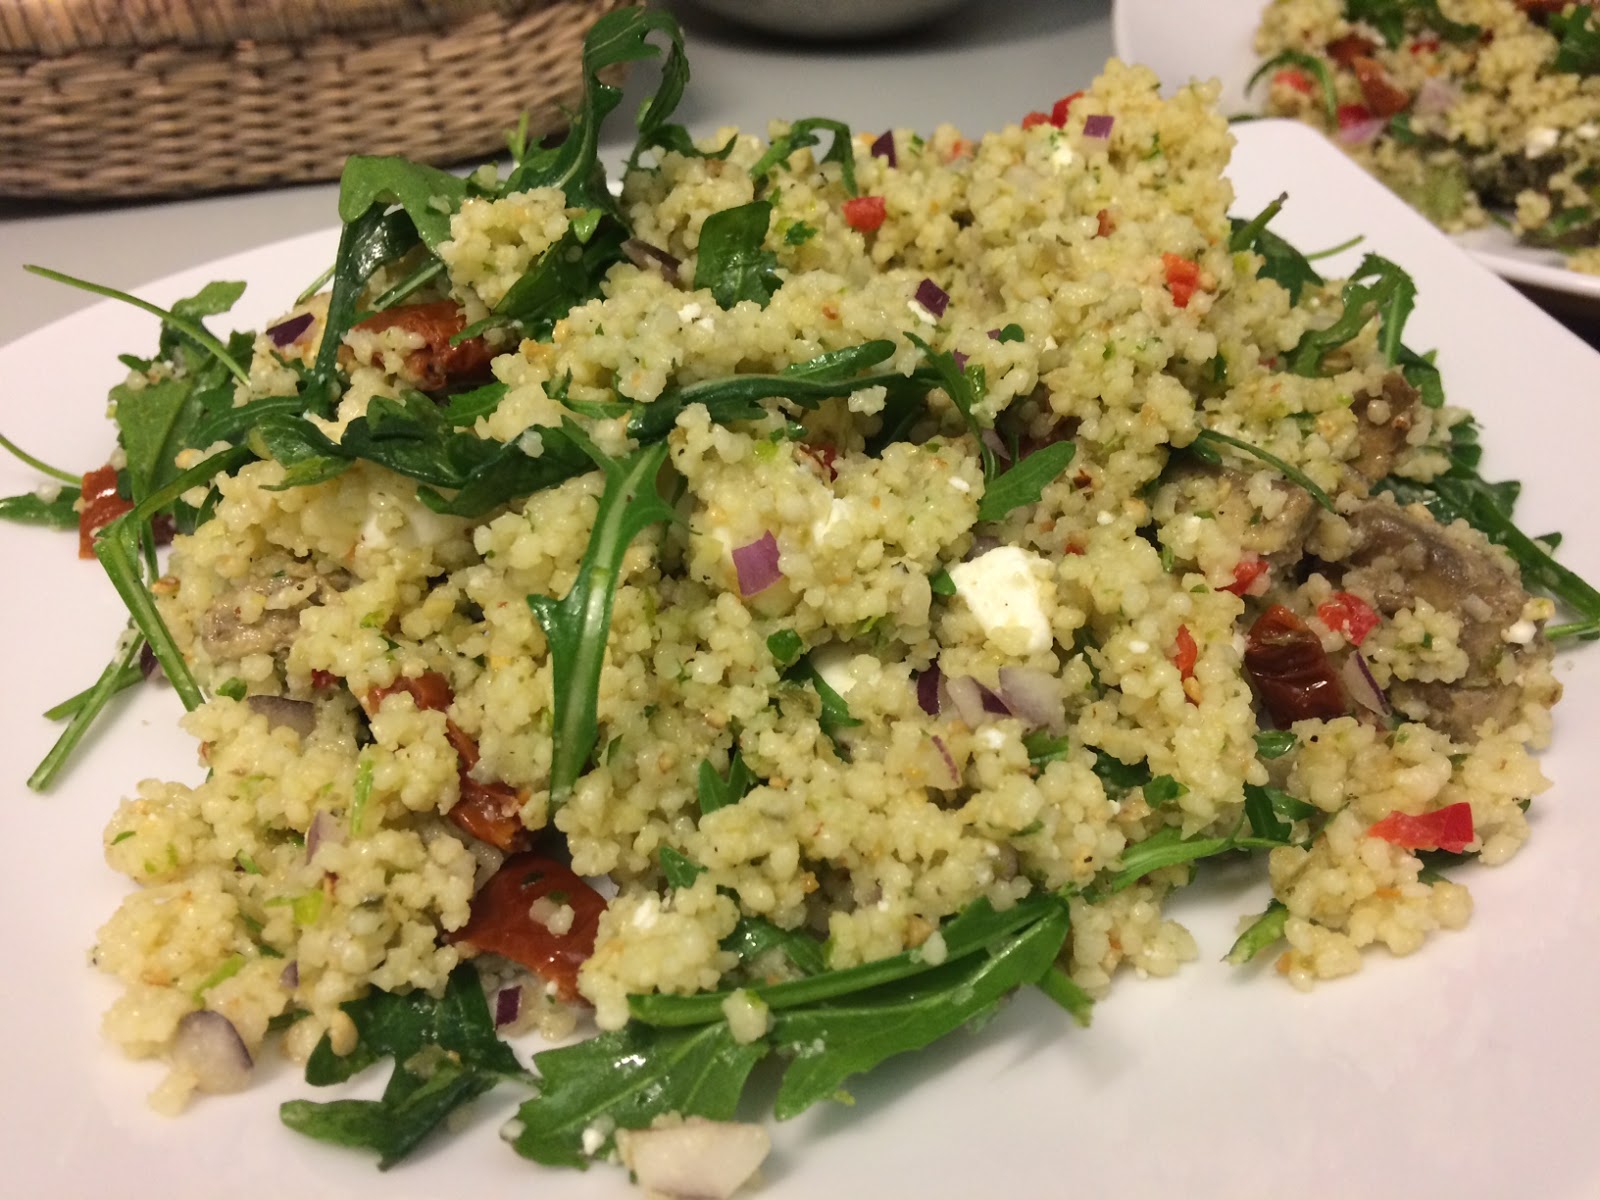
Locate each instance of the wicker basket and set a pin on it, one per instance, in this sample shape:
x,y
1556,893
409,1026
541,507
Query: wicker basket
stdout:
x,y
124,98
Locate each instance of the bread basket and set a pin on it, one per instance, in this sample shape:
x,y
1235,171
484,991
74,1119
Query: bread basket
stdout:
x,y
113,99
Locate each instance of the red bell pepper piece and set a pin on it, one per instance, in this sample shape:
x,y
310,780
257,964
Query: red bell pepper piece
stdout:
x,y
1448,828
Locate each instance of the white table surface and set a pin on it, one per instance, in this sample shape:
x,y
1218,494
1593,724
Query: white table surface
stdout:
x,y
980,67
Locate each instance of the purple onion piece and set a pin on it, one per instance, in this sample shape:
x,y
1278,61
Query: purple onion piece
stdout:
x,y
1098,126
994,335
928,690
967,698
992,703
757,565
949,760
210,1048
507,1006
149,664
884,147
992,440
1435,96
932,297
287,333
290,978
323,829
1359,133
1361,686
652,258
1031,694
961,360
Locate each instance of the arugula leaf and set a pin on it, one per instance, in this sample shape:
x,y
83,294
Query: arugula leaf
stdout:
x,y
835,1041
785,646
1280,261
1044,748
566,275
445,1053
29,509
680,870
835,716
627,1078
174,320
731,262
1389,17
754,936
1264,820
1578,42
1117,776
1163,789
1168,848
579,624
429,196
976,928
366,242
1061,988
1204,448
1275,743
1025,482
618,37
717,792
1315,67
1378,287
965,387
1259,934
803,133
120,673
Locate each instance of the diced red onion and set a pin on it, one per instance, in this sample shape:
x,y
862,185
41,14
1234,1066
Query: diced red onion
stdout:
x,y
980,546
208,1047
323,829
1031,694
992,703
884,148
928,690
507,1006
757,564
949,761
961,360
290,978
932,297
992,440
149,664
287,333
1361,686
652,258
1098,126
1435,96
994,335
1359,133
967,698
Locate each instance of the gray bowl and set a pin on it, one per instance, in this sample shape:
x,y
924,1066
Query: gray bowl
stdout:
x,y
831,19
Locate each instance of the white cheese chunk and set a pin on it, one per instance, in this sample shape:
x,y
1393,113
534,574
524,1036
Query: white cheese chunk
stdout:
x,y
1005,594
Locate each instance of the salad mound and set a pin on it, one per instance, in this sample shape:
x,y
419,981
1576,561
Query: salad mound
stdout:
x,y
776,613
1471,110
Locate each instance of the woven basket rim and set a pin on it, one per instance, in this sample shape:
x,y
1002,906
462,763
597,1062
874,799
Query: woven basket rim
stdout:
x,y
56,28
